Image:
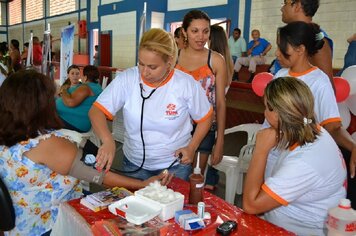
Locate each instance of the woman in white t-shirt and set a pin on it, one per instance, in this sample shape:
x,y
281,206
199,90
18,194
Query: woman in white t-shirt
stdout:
x,y
159,104
297,42
309,175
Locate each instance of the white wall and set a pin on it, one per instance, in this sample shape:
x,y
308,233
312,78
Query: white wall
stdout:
x,y
83,4
103,2
338,19
123,27
15,32
241,18
266,17
174,5
3,38
157,20
94,10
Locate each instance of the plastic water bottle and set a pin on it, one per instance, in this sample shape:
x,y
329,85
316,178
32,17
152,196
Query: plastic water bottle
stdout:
x,y
341,219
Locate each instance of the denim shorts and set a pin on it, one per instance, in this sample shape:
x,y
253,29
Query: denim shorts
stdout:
x,y
181,171
207,144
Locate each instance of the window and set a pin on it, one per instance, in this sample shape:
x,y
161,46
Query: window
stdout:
x,y
34,9
57,7
15,8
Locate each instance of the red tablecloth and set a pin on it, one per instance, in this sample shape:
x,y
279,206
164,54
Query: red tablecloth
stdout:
x,y
219,209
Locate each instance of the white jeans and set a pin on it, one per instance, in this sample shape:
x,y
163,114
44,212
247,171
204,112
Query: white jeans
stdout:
x,y
250,61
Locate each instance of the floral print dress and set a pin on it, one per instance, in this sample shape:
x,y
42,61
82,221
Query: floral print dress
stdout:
x,y
36,191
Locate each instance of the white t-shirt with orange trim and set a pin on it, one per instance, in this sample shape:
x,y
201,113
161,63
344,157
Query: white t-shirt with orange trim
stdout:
x,y
307,181
325,106
167,116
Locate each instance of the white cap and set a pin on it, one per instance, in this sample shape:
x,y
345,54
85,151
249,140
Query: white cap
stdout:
x,y
197,170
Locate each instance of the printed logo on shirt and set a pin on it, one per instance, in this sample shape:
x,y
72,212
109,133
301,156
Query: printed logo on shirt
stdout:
x,y
171,112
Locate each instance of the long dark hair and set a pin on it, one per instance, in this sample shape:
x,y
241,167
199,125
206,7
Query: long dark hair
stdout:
x,y
194,15
219,43
27,107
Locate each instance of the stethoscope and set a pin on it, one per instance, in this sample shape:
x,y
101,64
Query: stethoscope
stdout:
x,y
144,98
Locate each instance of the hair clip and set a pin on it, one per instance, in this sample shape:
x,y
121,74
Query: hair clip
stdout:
x,y
319,36
306,121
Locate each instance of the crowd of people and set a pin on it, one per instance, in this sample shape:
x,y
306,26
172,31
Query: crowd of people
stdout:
x,y
13,60
257,49
173,106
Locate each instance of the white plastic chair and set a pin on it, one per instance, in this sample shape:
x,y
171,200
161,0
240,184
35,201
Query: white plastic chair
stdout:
x,y
251,130
230,164
118,129
105,82
243,164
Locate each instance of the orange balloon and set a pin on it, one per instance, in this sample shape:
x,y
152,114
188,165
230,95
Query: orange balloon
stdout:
x,y
260,81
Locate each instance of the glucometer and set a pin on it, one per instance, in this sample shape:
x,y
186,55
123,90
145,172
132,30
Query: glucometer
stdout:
x,y
227,227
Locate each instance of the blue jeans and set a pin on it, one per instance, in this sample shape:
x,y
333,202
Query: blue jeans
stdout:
x,y
234,58
212,176
207,144
181,171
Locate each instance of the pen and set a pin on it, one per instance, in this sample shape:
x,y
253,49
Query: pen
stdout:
x,y
177,159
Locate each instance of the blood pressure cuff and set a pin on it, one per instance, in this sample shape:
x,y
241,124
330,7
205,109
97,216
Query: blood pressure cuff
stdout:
x,y
84,172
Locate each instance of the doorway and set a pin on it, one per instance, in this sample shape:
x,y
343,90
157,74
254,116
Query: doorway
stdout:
x,y
105,49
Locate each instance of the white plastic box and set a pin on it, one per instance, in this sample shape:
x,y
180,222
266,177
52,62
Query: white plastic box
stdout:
x,y
168,209
135,209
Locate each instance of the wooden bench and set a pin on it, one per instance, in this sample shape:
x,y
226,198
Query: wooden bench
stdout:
x,y
244,106
244,74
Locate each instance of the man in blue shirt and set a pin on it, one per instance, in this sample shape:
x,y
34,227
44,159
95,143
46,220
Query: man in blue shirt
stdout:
x,y
257,49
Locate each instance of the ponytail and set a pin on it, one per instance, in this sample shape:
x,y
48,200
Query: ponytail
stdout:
x,y
300,33
319,38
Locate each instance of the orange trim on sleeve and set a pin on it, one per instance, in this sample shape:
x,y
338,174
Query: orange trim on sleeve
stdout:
x,y
274,195
103,109
331,120
210,112
295,74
